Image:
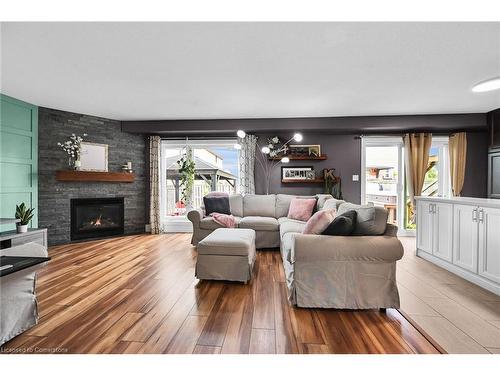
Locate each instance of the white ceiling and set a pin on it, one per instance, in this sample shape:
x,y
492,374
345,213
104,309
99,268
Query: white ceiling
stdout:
x,y
148,71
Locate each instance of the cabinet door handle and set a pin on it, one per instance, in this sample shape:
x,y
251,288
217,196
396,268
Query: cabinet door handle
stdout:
x,y
481,215
474,215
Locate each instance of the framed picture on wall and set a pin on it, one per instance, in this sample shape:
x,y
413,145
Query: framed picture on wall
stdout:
x,y
297,173
305,150
94,157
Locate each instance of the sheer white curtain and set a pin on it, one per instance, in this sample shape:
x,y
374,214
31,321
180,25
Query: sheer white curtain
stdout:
x,y
247,164
154,183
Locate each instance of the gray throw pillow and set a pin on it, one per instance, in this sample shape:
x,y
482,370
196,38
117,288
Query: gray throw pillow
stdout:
x,y
370,220
332,203
219,205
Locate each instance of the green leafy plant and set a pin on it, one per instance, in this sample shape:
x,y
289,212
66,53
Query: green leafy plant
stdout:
x,y
24,214
333,184
186,171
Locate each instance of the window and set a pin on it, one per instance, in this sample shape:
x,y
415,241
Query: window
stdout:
x,y
437,177
216,169
384,179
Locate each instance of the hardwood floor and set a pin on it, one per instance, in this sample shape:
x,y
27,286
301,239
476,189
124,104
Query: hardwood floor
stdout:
x,y
138,294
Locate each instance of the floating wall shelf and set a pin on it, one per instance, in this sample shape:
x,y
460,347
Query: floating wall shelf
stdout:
x,y
315,181
83,176
321,157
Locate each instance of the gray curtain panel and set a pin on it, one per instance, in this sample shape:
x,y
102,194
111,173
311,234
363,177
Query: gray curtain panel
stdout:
x,y
247,164
154,183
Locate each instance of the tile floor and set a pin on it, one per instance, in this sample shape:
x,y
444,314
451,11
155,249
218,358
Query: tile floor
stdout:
x,y
458,315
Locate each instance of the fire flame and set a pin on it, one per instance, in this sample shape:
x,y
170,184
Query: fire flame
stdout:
x,y
97,222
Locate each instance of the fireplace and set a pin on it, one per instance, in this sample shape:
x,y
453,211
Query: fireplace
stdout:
x,y
96,217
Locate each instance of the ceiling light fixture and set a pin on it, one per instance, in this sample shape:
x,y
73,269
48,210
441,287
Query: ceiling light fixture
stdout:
x,y
488,85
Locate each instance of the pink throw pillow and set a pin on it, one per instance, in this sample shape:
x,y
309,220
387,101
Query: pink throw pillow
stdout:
x,y
301,209
319,221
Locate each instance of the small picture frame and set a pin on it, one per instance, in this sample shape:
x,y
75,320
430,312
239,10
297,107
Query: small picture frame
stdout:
x,y
297,173
94,157
305,150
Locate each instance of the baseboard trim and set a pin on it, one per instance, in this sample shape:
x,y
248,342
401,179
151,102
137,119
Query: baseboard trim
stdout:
x,y
178,226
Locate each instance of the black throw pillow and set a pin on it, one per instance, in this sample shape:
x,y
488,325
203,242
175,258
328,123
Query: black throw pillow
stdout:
x,y
216,204
342,225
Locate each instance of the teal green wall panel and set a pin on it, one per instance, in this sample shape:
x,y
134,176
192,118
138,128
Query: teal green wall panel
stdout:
x,y
19,175
18,157
17,116
16,146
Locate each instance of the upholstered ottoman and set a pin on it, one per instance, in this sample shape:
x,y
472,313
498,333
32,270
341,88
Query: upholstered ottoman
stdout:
x,y
226,254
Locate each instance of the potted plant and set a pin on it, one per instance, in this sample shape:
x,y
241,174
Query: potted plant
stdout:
x,y
187,172
25,215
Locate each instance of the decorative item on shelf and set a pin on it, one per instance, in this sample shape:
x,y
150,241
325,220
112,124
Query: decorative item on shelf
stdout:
x,y
127,167
272,153
333,184
94,157
24,215
297,173
310,175
73,148
312,151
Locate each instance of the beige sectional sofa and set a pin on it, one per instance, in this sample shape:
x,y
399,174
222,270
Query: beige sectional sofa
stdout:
x,y
352,272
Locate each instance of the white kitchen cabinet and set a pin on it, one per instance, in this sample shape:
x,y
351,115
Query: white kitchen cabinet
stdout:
x,y
443,231
436,236
465,236
425,222
462,235
489,243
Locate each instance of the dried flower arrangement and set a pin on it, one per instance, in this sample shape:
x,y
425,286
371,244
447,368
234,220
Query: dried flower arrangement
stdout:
x,y
72,146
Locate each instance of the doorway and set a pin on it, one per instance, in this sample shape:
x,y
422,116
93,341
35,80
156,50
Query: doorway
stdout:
x,y
382,176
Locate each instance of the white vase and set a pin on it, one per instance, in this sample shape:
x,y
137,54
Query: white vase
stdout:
x,y
22,228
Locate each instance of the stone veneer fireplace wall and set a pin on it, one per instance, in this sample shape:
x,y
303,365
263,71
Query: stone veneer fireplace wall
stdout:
x,y
54,197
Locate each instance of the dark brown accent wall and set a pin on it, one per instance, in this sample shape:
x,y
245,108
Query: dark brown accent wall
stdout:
x,y
476,175
494,127
344,154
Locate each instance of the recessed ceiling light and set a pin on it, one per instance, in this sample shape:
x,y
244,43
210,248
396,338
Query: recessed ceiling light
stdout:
x,y
488,85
